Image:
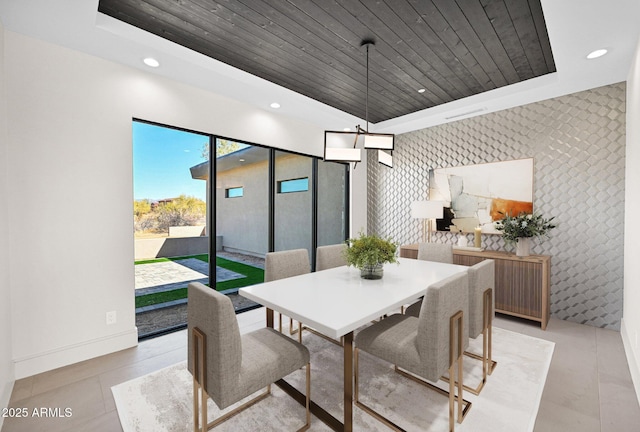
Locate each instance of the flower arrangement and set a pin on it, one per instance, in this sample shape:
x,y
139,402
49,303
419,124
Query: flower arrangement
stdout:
x,y
370,250
524,225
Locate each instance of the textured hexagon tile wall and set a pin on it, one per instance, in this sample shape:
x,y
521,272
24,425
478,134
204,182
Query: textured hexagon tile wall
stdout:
x,y
578,145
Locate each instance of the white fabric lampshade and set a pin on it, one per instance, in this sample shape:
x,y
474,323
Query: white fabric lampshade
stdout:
x,y
343,154
385,158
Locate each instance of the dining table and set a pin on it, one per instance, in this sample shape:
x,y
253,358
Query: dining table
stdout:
x,y
337,301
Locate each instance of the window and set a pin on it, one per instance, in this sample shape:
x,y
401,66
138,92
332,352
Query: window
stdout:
x,y
235,192
294,185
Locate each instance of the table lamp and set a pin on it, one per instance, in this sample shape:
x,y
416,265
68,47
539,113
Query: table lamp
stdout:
x,y
427,210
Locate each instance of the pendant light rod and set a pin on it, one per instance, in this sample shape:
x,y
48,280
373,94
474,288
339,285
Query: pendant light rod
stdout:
x,y
366,109
367,43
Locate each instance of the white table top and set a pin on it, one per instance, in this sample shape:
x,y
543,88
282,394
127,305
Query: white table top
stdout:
x,y
338,301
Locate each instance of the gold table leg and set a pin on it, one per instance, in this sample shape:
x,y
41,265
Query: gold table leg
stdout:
x,y
317,410
348,382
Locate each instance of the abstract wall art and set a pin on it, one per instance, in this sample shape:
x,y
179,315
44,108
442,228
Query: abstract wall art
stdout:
x,y
479,195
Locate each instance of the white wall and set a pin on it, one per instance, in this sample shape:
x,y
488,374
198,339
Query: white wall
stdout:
x,y
630,328
70,164
6,356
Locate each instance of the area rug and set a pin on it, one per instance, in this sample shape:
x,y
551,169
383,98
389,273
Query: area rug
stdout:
x,y
162,401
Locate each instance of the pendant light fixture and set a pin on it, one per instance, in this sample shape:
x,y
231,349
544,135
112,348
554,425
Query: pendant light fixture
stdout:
x,y
345,146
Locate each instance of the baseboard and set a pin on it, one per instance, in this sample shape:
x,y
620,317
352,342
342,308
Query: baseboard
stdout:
x,y
634,365
53,359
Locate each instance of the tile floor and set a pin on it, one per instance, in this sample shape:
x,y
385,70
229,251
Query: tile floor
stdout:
x,y
588,387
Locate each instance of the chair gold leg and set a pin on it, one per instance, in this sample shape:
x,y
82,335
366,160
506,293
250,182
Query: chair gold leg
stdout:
x,y
488,317
466,405
491,363
293,331
488,365
452,390
237,410
460,378
200,396
307,401
205,416
196,406
456,324
455,339
473,390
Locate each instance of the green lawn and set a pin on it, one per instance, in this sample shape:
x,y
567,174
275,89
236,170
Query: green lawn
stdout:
x,y
253,275
161,297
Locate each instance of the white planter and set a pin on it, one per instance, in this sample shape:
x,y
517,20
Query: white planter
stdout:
x,y
523,247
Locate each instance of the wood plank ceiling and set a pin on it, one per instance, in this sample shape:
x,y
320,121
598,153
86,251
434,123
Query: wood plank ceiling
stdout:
x,y
450,48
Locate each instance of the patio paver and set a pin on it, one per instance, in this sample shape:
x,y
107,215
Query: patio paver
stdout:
x,y
169,275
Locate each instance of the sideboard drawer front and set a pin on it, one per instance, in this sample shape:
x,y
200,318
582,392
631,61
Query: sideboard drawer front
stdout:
x,y
520,287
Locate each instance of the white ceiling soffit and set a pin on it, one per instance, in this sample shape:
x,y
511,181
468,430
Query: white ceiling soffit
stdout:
x,y
575,27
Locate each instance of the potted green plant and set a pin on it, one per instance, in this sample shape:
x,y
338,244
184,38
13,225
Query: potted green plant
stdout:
x,y
369,253
522,228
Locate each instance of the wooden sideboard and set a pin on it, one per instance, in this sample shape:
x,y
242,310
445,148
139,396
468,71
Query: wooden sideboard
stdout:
x,y
522,283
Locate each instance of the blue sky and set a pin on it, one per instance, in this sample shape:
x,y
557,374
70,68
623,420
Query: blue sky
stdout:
x,y
161,161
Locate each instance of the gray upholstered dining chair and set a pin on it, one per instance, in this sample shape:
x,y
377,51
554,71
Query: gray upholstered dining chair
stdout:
x,y
284,264
330,256
226,366
481,305
479,321
438,252
426,346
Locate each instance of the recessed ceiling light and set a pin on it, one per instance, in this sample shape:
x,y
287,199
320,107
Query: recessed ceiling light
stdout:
x,y
421,90
275,105
597,53
347,129
241,160
151,62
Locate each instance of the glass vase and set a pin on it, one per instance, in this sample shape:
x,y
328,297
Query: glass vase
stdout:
x,y
371,271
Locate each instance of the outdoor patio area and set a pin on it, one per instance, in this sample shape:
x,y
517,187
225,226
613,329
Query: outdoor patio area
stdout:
x,y
171,275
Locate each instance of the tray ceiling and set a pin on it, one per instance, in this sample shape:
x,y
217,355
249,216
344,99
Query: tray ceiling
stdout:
x,y
451,49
